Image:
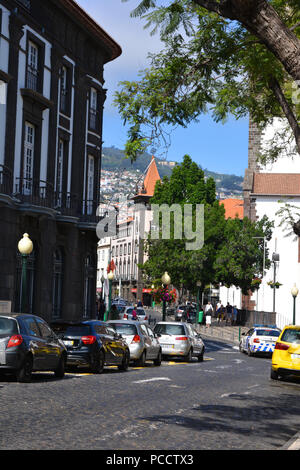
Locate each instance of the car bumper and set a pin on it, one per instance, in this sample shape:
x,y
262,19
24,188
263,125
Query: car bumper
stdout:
x,y
79,359
175,350
286,371
136,351
11,359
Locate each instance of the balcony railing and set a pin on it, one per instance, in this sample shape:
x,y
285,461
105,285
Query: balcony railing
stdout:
x,y
5,180
35,192
42,194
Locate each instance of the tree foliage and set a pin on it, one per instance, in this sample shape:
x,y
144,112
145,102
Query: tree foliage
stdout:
x,y
214,60
230,255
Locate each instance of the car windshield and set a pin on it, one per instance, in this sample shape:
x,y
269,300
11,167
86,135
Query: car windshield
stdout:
x,y
168,329
267,333
291,336
124,330
80,330
8,326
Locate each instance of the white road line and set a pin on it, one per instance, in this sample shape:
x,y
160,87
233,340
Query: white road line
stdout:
x,y
154,379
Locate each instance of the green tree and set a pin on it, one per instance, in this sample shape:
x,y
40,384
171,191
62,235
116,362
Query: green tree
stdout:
x,y
240,258
221,56
230,253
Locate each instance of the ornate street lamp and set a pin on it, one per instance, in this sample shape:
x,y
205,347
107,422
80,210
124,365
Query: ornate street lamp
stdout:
x,y
294,292
25,247
166,280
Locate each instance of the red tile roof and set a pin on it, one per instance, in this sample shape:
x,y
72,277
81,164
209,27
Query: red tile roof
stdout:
x,y
233,208
152,176
276,183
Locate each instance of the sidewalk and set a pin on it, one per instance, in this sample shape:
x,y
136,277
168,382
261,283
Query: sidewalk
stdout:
x,y
222,331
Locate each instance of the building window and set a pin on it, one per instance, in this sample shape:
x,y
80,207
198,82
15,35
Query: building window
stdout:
x,y
57,284
65,89
28,161
90,185
93,117
59,172
32,76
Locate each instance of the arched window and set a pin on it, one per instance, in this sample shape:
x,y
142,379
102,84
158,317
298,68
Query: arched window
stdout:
x,y
57,286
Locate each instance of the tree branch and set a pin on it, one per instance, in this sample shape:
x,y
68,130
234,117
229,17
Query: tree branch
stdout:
x,y
276,88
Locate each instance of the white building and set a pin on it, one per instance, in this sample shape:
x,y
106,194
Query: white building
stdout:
x,y
267,189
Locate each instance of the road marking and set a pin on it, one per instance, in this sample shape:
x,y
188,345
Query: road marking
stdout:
x,y
154,379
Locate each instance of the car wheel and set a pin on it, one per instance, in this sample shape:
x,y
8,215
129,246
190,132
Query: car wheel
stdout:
x,y
24,373
125,363
157,361
274,374
60,370
98,365
201,356
141,361
188,357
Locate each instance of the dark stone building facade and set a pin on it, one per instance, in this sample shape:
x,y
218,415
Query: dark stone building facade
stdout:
x,y
52,56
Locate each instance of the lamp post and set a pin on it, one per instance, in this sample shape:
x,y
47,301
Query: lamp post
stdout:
x,y
25,247
199,284
275,259
166,280
110,278
294,292
102,287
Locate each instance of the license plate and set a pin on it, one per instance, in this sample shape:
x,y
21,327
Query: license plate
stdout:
x,y
68,343
169,346
295,356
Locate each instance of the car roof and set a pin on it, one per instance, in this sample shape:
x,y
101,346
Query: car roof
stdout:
x,y
126,322
171,323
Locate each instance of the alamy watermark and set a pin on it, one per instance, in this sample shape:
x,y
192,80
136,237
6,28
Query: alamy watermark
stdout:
x,y
166,222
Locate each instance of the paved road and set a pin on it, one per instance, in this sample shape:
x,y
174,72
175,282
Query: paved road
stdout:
x,y
227,402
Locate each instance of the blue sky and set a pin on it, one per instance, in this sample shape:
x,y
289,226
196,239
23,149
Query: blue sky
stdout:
x,y
218,147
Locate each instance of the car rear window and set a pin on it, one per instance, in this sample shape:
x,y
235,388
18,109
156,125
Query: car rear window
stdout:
x,y
140,311
169,329
81,330
8,326
267,333
291,336
126,330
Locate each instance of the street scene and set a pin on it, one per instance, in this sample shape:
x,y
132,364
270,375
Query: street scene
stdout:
x,y
149,227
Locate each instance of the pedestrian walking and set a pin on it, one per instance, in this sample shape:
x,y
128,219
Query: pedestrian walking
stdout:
x,y
219,310
134,314
235,313
101,310
228,313
208,314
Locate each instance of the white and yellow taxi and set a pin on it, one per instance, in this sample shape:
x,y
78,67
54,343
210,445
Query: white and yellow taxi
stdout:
x,y
260,339
286,355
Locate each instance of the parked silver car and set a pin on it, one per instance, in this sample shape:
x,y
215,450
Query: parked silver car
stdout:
x,y
141,313
141,340
180,339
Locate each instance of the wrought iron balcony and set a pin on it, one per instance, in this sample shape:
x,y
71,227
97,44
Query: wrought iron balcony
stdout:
x,y
6,180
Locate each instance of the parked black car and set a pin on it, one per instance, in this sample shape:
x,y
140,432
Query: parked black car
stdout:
x,y
93,343
28,344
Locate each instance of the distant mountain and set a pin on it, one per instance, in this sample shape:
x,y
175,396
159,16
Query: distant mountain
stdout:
x,y
113,159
